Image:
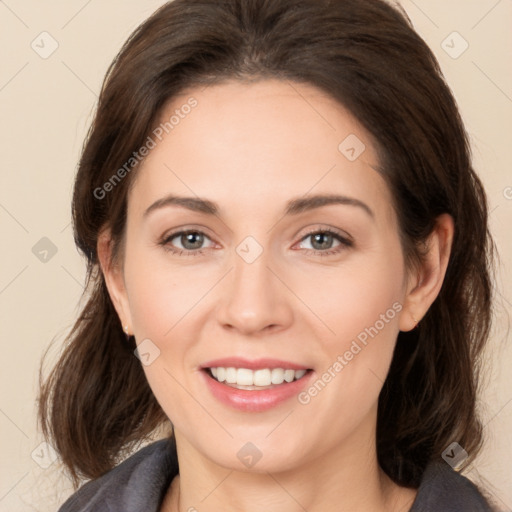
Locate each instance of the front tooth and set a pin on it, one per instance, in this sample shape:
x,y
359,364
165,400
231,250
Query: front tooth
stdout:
x,y
277,376
289,375
299,374
244,377
231,375
221,374
262,377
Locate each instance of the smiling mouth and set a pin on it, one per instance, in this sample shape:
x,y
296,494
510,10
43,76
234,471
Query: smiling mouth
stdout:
x,y
260,379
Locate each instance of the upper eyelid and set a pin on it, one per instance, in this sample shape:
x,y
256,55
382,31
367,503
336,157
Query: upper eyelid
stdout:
x,y
171,233
322,229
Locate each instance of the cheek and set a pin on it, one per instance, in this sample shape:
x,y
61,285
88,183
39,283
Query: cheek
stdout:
x,y
362,314
362,310
364,296
160,295
161,305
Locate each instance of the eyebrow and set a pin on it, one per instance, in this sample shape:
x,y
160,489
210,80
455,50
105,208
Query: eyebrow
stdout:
x,y
293,207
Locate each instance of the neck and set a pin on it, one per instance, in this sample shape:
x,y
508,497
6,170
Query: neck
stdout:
x,y
347,478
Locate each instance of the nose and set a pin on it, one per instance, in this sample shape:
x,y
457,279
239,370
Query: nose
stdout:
x,y
254,298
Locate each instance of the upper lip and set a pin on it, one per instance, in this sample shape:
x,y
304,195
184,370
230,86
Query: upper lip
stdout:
x,y
254,364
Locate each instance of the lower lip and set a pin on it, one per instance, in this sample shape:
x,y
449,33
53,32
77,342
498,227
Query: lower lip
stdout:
x,y
255,400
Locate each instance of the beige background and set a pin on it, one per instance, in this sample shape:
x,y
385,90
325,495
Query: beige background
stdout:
x,y
46,106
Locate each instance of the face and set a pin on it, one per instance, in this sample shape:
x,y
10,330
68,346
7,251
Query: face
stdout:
x,y
263,277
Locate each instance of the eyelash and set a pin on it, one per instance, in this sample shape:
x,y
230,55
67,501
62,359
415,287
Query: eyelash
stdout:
x,y
344,243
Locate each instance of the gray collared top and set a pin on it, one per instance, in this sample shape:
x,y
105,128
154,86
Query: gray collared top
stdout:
x,y
140,482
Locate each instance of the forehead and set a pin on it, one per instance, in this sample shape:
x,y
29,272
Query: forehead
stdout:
x,y
249,143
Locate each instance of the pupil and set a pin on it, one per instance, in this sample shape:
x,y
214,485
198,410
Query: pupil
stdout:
x,y
189,237
322,236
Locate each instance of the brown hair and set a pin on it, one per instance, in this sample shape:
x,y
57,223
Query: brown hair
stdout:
x,y
96,403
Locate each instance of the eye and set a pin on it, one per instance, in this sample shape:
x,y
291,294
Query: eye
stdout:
x,y
191,242
322,242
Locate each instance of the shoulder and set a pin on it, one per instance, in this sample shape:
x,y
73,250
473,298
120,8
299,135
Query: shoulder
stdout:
x,y
138,483
443,489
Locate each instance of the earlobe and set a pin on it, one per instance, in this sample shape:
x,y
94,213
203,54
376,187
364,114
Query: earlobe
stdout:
x,y
430,275
114,280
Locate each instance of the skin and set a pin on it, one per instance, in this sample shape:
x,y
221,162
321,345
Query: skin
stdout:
x,y
250,149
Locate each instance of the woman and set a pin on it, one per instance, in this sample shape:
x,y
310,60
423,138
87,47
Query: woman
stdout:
x,y
289,262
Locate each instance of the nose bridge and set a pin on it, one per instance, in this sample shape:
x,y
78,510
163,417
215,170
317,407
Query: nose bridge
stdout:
x,y
255,299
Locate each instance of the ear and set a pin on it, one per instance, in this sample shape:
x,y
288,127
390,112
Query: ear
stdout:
x,y
424,287
114,279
